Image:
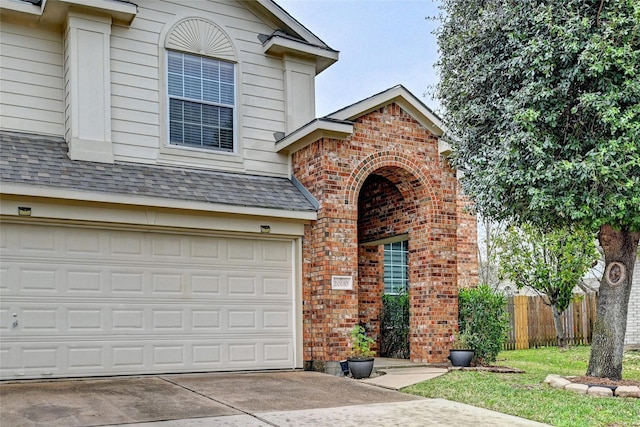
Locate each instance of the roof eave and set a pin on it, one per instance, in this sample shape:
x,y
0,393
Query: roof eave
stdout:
x,y
312,132
55,11
279,46
26,190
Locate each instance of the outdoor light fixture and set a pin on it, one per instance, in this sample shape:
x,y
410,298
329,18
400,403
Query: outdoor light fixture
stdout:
x,y
265,229
24,211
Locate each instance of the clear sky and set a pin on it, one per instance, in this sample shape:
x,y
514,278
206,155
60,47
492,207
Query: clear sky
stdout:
x,y
382,43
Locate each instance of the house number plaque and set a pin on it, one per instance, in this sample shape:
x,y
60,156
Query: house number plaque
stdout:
x,y
342,283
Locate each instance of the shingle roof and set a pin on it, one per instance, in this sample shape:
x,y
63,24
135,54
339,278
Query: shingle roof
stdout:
x,y
42,161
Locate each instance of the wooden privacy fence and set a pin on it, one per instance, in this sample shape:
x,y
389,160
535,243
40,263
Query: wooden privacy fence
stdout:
x,y
532,322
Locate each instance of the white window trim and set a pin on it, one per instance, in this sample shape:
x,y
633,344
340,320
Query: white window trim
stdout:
x,y
189,155
396,240
168,105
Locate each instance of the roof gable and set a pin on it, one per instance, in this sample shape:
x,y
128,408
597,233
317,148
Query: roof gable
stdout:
x,y
399,95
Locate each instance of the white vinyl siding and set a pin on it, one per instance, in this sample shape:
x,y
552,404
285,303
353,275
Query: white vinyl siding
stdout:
x,y
100,301
632,336
259,81
33,99
31,79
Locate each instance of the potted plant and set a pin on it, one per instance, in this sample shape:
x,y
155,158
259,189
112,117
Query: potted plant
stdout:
x,y
460,353
361,359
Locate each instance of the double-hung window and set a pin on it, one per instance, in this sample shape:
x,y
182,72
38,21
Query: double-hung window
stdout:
x,y
396,267
201,101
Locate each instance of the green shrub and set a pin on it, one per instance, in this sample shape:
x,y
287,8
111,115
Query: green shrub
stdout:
x,y
395,326
361,343
483,320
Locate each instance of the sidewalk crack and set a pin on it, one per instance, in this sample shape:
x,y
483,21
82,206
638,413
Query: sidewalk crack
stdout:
x,y
220,402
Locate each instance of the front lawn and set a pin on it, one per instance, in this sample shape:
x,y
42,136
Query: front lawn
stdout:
x,y
525,395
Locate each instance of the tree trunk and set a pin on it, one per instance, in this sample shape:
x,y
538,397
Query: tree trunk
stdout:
x,y
560,334
620,248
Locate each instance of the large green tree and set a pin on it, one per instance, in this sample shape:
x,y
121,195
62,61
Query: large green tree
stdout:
x,y
551,262
542,99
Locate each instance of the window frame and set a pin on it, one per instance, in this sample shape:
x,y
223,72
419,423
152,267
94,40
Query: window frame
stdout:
x,y
404,266
168,97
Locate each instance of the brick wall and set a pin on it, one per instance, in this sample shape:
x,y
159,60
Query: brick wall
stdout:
x,y
467,243
389,158
632,337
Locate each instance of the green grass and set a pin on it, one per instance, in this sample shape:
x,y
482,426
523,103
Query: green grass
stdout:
x,y
525,395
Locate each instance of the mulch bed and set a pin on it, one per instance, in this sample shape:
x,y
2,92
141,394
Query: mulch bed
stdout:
x,y
591,381
603,381
498,369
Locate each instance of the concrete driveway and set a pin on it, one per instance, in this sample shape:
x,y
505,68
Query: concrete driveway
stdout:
x,y
239,399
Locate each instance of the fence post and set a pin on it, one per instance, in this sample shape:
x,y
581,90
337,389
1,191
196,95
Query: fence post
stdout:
x,y
521,309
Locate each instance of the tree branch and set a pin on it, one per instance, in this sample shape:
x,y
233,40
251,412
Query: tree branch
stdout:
x,y
598,14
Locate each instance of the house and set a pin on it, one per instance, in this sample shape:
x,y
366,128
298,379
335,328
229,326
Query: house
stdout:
x,y
171,203
632,337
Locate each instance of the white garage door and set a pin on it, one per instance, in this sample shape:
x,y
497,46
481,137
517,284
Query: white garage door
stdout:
x,y
83,301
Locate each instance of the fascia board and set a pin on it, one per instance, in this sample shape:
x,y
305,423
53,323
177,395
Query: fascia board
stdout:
x,y
402,97
312,132
96,197
119,11
20,7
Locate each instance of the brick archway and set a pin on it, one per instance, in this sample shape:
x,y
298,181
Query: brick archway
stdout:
x,y
408,170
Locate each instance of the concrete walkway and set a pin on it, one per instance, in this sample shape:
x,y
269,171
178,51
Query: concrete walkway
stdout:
x,y
420,413
396,374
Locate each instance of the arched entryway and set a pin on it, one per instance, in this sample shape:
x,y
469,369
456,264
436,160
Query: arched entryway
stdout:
x,y
388,213
382,182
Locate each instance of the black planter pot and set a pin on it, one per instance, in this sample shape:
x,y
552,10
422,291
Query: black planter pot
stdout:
x,y
360,368
460,357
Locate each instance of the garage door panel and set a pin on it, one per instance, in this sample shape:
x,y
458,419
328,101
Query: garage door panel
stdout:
x,y
206,355
90,358
276,253
4,279
128,320
127,281
204,283
37,278
83,243
167,283
103,302
90,319
167,320
276,286
203,250
277,352
205,320
277,319
242,285
37,360
81,281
